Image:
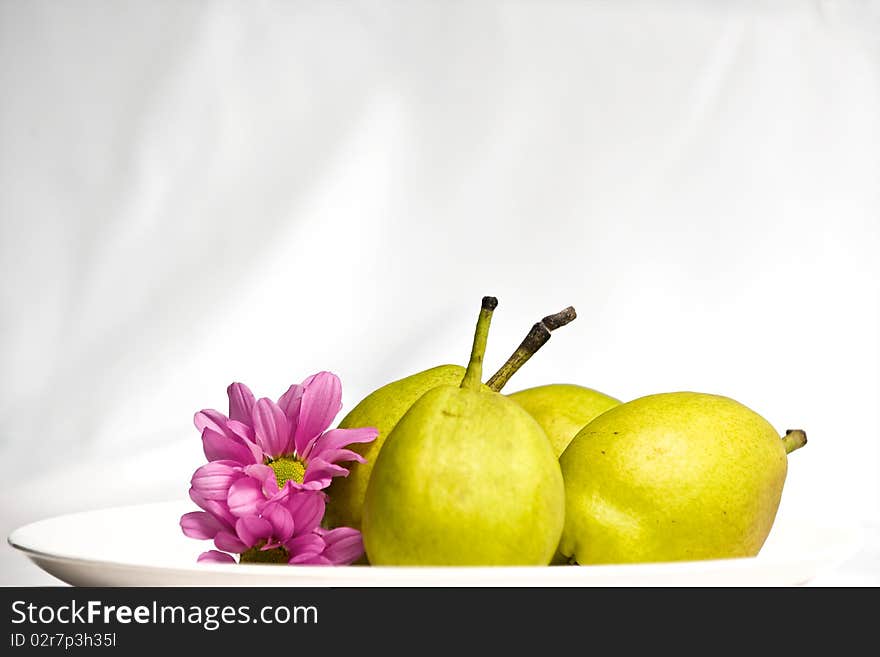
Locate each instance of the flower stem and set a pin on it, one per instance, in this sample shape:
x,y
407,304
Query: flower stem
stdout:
x,y
258,555
474,373
536,338
794,439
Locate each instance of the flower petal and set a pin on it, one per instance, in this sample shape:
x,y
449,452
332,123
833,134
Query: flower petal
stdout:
x,y
246,497
246,434
216,508
290,402
345,545
266,476
241,402
229,542
213,556
241,429
312,486
340,438
272,429
310,559
208,418
218,447
338,456
201,525
280,519
321,401
304,548
213,480
320,472
307,510
252,529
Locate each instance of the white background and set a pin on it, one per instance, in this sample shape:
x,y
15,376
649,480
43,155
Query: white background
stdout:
x,y
195,193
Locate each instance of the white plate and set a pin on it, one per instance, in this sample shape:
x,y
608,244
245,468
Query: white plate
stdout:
x,y
143,546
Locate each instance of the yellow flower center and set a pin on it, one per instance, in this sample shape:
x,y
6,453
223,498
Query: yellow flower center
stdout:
x,y
287,468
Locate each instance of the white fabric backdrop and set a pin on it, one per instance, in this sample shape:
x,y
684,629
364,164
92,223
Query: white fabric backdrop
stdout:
x,y
195,193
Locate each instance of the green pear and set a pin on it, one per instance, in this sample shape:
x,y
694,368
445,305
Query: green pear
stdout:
x,y
562,409
466,477
381,409
384,407
671,477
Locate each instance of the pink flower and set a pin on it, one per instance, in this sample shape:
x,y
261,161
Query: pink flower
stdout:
x,y
261,491
287,440
284,529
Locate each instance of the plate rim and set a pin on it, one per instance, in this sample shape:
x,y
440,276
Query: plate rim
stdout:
x,y
848,545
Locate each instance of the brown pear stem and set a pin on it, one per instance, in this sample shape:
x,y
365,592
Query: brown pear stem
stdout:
x,y
794,439
536,338
563,317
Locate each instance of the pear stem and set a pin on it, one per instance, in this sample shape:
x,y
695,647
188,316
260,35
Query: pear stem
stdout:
x,y
536,338
474,374
794,439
